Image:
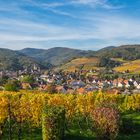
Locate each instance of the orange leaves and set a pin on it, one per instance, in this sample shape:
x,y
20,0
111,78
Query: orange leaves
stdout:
x,y
106,122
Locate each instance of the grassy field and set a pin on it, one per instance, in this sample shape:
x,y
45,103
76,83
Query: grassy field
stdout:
x,y
133,119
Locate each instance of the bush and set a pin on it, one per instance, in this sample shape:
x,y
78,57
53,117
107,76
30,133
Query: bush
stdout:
x,y
28,79
106,122
53,123
12,85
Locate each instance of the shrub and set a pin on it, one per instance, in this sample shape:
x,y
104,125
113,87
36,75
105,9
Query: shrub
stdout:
x,y
106,122
12,85
28,79
53,123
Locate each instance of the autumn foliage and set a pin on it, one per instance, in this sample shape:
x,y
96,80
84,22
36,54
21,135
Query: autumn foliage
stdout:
x,y
53,123
26,108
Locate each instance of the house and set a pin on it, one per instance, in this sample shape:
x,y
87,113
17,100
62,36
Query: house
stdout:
x,y
80,83
80,90
61,89
43,77
120,85
26,86
50,80
89,87
43,87
126,84
70,91
135,83
138,86
115,83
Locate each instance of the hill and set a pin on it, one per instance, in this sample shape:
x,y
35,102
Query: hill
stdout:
x,y
67,58
105,49
83,63
56,56
13,60
60,55
131,66
126,52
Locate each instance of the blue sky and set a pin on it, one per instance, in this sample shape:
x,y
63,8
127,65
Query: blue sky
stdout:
x,y
80,24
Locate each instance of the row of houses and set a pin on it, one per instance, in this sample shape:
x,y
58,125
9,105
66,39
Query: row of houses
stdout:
x,y
75,82
79,81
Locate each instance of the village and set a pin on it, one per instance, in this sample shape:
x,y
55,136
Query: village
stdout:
x,y
81,82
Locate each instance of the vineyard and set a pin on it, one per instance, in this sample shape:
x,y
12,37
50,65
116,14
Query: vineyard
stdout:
x,y
81,63
132,66
21,113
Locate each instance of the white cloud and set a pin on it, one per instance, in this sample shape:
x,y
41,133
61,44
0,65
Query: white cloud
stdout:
x,y
87,2
97,3
53,5
107,29
104,28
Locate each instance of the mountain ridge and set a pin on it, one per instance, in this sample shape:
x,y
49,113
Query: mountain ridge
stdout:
x,y
56,55
19,59
15,60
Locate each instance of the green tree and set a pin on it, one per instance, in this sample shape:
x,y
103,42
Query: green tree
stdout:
x,y
107,62
3,80
27,79
12,85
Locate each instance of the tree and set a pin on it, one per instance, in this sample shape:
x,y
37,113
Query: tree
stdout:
x,y
3,80
12,85
27,79
107,62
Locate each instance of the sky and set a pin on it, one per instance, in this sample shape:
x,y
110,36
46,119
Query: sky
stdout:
x,y
80,24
